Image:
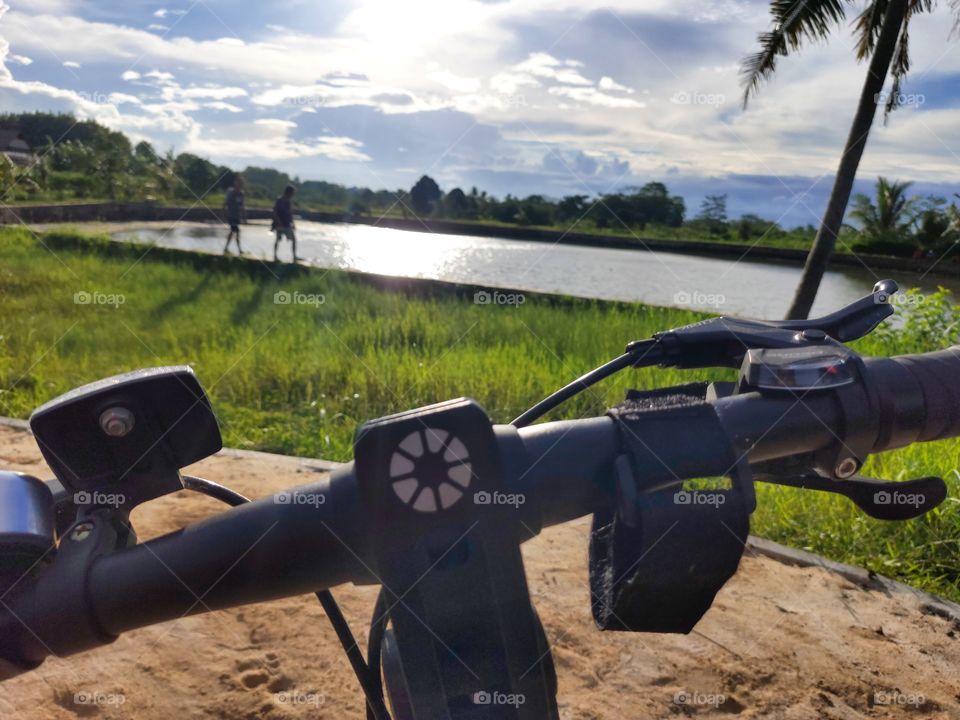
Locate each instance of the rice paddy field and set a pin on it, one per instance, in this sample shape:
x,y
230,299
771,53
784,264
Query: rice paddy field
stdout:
x,y
295,358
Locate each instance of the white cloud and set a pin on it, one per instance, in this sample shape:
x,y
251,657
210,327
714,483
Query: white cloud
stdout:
x,y
210,91
161,13
157,27
227,107
545,65
71,64
344,94
608,83
160,76
130,75
454,82
123,98
592,96
269,139
275,123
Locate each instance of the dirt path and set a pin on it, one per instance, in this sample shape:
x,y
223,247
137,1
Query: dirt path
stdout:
x,y
780,642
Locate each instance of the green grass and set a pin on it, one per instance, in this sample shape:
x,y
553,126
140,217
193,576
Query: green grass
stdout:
x,y
298,379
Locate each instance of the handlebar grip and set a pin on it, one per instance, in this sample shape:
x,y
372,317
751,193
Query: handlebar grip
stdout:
x,y
919,397
938,375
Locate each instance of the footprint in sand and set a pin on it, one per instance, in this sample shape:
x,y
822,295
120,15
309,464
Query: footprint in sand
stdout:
x,y
255,672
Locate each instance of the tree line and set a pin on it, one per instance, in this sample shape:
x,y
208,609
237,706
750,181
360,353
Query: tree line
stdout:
x,y
85,160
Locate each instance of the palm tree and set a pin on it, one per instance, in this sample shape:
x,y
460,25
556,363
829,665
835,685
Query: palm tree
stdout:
x,y
882,30
891,218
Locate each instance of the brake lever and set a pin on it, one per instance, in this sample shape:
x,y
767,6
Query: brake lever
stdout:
x,y
723,341
880,499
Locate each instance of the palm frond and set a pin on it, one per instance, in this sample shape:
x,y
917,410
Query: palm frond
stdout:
x,y
794,23
867,27
900,64
955,5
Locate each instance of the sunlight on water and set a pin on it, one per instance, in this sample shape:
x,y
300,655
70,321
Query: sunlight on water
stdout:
x,y
745,288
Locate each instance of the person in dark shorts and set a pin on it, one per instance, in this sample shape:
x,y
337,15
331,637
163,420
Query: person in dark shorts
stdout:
x,y
283,222
236,212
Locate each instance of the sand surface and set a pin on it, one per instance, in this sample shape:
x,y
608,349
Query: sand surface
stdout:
x,y
780,641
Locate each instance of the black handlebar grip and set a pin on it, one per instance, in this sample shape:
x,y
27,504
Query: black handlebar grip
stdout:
x,y
919,397
938,375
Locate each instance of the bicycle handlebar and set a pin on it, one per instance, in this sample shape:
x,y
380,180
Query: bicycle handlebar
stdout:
x,y
309,538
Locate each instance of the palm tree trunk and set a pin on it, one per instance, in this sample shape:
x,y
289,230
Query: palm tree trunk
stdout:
x,y
826,238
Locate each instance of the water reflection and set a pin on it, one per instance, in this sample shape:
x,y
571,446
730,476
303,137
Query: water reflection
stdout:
x,y
747,288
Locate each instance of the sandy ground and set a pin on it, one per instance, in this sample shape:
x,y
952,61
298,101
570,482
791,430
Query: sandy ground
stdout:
x,y
780,642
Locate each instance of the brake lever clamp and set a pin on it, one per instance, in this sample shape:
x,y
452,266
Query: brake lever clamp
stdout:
x,y
659,556
723,341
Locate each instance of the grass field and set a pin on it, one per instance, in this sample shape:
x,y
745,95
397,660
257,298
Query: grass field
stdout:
x,y
297,377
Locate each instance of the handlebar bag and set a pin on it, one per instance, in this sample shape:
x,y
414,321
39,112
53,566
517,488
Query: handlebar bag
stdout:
x,y
661,553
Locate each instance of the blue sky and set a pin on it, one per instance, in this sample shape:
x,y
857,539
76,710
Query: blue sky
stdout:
x,y
548,96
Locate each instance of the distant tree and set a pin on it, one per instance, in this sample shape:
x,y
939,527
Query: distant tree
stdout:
x,y
571,208
456,204
144,155
713,213
751,226
358,206
654,204
535,210
200,176
886,224
268,183
933,229
424,195
506,210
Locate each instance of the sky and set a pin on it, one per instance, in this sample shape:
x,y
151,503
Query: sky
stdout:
x,y
554,97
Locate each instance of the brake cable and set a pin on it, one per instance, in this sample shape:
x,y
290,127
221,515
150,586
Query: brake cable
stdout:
x,y
372,688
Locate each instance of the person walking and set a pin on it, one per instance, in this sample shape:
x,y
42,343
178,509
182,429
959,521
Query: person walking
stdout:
x,y
236,210
283,222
